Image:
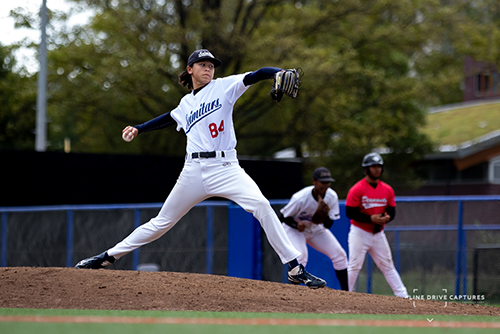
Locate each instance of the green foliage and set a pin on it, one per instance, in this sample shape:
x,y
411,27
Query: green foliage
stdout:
x,y
361,93
371,70
17,104
122,69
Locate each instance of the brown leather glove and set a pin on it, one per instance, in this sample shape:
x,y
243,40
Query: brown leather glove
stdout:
x,y
321,212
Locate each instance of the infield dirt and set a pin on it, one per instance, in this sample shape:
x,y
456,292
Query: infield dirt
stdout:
x,y
106,289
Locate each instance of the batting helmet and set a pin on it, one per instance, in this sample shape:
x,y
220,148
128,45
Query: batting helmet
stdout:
x,y
372,159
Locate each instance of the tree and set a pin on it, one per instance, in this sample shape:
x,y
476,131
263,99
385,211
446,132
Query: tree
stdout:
x,y
362,91
17,104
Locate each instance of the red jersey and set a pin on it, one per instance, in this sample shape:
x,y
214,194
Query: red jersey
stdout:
x,y
370,201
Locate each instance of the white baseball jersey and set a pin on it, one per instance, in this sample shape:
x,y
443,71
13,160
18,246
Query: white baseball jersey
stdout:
x,y
207,116
302,206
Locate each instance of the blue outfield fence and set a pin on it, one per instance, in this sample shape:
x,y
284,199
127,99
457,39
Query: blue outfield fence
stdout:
x,y
70,212
219,237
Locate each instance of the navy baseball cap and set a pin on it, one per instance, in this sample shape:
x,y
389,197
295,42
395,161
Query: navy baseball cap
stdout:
x,y
322,174
203,54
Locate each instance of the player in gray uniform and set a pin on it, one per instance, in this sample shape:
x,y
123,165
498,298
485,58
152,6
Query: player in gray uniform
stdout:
x,y
211,167
307,219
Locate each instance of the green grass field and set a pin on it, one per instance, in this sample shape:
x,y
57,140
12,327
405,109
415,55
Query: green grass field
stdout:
x,y
124,328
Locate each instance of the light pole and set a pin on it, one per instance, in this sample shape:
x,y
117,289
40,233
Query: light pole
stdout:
x,y
41,97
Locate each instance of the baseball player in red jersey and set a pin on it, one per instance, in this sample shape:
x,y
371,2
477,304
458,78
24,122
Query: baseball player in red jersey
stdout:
x,y
211,168
370,205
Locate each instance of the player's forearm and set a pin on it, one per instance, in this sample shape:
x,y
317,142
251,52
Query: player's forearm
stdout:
x,y
353,213
391,211
259,75
288,220
157,123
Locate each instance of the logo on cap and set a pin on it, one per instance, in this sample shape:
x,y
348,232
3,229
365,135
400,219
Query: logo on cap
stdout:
x,y
205,54
199,55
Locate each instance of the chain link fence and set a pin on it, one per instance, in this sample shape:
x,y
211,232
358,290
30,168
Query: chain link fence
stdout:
x,y
40,237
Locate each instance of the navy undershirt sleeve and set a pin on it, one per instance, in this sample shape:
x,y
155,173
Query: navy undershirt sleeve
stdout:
x,y
352,212
157,123
288,220
259,75
391,211
328,223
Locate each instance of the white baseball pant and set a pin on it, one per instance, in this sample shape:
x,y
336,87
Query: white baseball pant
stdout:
x,y
203,178
360,242
320,239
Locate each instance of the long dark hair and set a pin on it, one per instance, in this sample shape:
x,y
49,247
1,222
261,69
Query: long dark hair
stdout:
x,y
186,80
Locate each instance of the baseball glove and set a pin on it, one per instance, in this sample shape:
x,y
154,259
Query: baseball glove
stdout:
x,y
321,212
286,82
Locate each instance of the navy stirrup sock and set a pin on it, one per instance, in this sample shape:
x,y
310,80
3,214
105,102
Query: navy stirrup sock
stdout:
x,y
292,264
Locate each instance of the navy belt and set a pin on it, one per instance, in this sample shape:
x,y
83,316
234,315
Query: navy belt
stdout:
x,y
196,155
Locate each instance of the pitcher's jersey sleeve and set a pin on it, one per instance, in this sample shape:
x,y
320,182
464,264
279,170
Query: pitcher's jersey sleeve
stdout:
x,y
233,87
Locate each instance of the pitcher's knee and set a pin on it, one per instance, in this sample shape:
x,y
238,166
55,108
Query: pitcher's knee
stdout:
x,y
161,223
262,208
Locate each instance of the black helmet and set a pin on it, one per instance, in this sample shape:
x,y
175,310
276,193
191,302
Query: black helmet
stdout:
x,y
372,159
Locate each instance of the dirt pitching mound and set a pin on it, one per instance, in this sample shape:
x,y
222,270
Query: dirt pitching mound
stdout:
x,y
105,289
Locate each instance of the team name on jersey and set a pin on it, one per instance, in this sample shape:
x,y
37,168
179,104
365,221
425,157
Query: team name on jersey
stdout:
x,y
373,202
203,111
304,216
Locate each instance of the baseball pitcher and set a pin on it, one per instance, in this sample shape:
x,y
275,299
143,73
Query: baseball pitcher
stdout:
x,y
211,167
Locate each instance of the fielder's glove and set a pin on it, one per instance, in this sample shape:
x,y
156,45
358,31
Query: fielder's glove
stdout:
x,y
286,82
321,212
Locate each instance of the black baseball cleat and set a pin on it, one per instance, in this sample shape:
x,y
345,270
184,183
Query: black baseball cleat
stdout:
x,y
96,262
302,276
